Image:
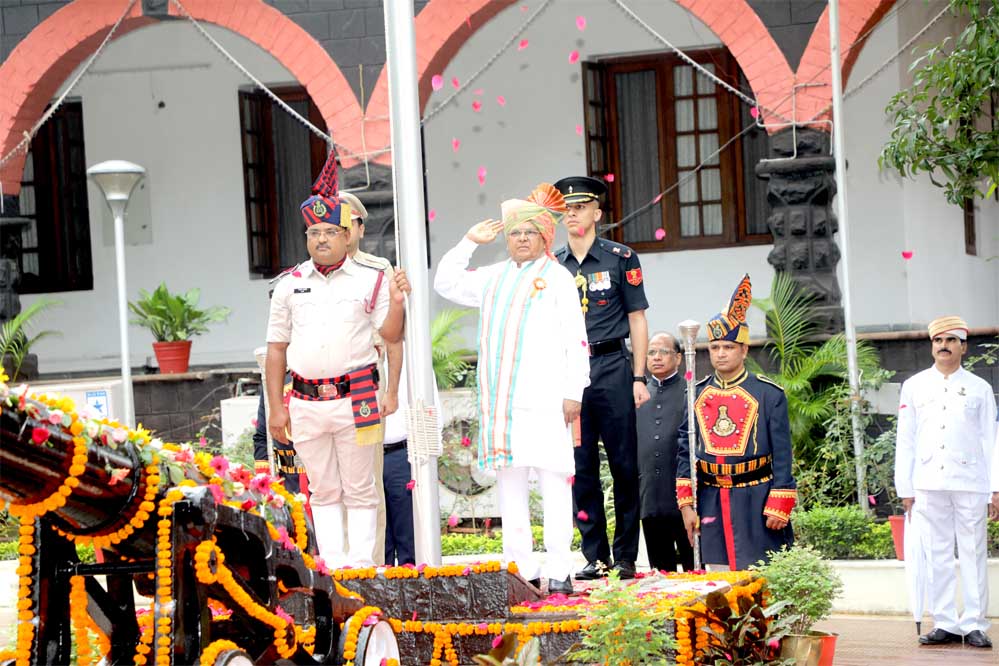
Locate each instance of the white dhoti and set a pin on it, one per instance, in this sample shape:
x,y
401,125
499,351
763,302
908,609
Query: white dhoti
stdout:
x,y
556,494
946,516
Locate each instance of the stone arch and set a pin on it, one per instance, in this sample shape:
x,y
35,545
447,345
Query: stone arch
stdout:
x,y
49,54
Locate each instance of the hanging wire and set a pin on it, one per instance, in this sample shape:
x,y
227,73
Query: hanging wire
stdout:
x,y
25,143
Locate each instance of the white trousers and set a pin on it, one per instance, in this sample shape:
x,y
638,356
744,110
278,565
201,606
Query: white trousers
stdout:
x,y
945,516
514,510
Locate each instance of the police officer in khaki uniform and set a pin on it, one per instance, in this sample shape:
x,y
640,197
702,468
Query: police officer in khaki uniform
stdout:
x,y
323,319
389,357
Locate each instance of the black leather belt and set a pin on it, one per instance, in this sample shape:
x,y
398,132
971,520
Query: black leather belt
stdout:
x,y
604,347
394,446
762,473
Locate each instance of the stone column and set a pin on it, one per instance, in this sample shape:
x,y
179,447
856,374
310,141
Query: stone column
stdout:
x,y
800,191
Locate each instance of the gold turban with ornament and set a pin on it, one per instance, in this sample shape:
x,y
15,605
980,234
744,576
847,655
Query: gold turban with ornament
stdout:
x,y
544,208
951,324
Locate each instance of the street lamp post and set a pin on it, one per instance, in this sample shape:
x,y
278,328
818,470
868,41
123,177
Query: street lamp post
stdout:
x,y
117,180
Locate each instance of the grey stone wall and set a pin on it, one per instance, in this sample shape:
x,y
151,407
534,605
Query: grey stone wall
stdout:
x,y
790,22
177,408
19,17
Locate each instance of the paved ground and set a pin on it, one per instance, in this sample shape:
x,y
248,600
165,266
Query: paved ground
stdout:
x,y
879,640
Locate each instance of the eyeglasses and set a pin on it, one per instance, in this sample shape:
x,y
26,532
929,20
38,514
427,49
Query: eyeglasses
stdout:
x,y
662,352
524,233
315,234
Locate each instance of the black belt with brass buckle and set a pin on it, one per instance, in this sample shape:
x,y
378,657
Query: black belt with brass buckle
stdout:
x,y
323,389
763,473
604,347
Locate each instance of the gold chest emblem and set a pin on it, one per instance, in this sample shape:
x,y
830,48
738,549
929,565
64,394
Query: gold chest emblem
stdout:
x,y
724,426
364,410
726,420
319,208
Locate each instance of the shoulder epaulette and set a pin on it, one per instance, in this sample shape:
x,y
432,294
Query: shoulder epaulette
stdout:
x,y
616,248
561,252
371,261
767,380
283,274
703,379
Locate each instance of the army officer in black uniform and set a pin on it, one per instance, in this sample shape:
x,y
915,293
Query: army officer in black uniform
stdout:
x,y
612,296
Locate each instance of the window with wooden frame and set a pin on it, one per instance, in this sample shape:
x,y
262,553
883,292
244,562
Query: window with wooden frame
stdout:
x,y
655,123
53,251
281,160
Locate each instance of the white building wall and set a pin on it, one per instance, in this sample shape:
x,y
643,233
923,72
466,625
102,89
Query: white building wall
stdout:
x,y
193,201
195,210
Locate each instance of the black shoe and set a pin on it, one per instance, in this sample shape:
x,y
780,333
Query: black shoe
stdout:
x,y
978,639
939,637
591,571
625,569
536,582
560,586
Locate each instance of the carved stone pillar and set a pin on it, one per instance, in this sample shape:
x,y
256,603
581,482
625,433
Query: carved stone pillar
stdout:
x,y
800,191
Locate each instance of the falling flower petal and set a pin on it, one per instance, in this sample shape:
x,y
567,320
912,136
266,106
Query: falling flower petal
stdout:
x,y
454,82
497,641
755,112
478,91
476,106
452,520
579,130
658,198
523,45
579,231
773,643
455,144
583,342
873,500
253,422
609,177
660,234
581,23
572,479
465,441
431,215
902,406
501,100
582,515
707,520
468,21
118,474
411,484
437,82
296,274
202,441
482,175
573,57
907,254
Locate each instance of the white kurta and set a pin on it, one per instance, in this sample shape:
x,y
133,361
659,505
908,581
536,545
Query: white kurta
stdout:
x,y
533,353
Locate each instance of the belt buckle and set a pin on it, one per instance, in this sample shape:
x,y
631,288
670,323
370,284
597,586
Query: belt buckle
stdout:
x,y
724,480
327,390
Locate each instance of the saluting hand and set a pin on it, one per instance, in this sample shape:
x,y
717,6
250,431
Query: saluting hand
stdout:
x,y
399,286
485,231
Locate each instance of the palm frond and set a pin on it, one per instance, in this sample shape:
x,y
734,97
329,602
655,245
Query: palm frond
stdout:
x,y
789,320
15,342
446,352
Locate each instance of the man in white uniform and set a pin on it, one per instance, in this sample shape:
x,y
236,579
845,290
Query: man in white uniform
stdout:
x,y
944,455
533,365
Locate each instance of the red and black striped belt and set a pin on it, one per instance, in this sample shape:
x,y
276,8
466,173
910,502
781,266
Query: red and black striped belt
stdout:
x,y
334,388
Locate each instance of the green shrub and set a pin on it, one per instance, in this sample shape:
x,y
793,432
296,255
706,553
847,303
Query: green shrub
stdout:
x,y
800,577
473,544
993,539
832,531
876,544
8,551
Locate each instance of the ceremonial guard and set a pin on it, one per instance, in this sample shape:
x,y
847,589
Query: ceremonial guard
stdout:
x,y
612,297
745,490
658,428
944,453
323,318
531,374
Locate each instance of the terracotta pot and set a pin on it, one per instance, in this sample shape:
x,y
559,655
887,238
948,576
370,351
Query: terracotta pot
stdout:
x,y
173,357
814,649
898,535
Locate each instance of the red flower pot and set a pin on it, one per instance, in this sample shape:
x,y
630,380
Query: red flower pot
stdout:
x,y
173,357
828,650
898,535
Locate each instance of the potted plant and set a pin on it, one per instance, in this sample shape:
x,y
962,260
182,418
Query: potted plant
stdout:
x,y
16,361
174,319
809,585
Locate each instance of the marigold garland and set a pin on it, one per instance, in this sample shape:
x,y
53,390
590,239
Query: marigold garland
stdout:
x,y
57,499
163,621
214,649
25,615
82,623
357,621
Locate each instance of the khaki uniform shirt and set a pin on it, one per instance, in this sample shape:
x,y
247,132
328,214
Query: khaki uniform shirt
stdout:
x,y
324,319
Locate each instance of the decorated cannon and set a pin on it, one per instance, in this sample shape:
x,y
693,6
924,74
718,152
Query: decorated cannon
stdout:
x,y
223,560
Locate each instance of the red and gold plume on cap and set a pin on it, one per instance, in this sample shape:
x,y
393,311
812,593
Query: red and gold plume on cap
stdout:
x,y
324,205
730,324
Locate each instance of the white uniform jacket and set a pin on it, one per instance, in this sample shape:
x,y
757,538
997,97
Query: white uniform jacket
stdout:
x,y
946,434
532,354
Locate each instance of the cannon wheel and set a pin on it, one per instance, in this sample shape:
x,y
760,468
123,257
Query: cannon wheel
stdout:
x,y
374,643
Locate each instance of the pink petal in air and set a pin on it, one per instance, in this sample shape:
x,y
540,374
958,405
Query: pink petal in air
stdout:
x,y
476,106
452,520
581,23
907,254
573,57
609,177
454,82
755,112
707,520
411,484
658,198
437,82
872,500
523,45
455,144
478,91
482,175
660,234
572,479
431,215
501,100
579,130
688,375
579,231
582,515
